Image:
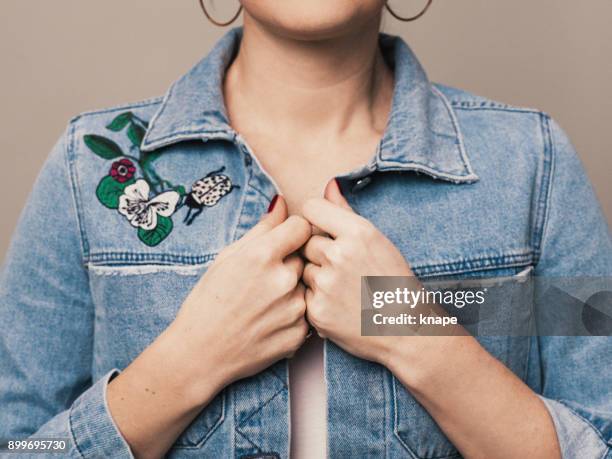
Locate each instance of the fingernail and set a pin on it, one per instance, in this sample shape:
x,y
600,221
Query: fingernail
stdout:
x,y
339,187
272,203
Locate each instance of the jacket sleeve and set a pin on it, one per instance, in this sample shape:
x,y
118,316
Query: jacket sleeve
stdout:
x,y
574,375
46,326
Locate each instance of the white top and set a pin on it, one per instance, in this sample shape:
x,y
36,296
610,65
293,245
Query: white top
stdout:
x,y
308,395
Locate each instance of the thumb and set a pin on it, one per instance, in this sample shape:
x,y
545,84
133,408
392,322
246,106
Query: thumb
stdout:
x,y
277,213
333,194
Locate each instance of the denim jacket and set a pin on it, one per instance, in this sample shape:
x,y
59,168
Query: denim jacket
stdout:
x,y
135,201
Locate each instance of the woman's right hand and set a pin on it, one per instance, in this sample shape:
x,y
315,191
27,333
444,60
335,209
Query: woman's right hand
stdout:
x,y
244,314
248,310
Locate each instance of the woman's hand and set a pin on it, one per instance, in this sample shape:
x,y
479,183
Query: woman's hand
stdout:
x,y
247,311
244,314
352,248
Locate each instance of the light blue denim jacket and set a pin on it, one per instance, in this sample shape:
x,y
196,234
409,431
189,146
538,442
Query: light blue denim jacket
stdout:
x,y
134,203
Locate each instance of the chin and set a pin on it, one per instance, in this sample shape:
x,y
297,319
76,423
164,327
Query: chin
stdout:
x,y
313,19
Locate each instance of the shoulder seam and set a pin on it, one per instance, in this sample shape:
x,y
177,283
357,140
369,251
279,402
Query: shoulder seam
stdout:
x,y
117,108
545,187
70,157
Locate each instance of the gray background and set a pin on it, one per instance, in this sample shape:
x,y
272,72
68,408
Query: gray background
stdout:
x,y
62,57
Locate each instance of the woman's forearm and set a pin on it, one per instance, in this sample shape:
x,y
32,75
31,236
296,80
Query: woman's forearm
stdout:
x,y
156,397
484,409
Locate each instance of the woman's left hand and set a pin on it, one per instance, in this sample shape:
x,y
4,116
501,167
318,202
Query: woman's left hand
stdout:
x,y
352,247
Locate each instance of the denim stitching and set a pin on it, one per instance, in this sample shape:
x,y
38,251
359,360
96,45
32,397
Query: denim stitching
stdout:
x,y
259,450
189,134
585,420
491,105
549,184
164,104
429,170
478,263
546,186
210,431
248,177
243,421
458,134
116,108
70,422
129,258
71,155
396,432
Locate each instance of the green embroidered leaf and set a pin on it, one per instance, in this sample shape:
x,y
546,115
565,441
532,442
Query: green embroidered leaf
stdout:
x,y
157,234
136,133
149,157
109,190
102,146
181,190
120,121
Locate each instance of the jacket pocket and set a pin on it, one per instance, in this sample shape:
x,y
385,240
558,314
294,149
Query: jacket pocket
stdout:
x,y
135,303
204,425
413,427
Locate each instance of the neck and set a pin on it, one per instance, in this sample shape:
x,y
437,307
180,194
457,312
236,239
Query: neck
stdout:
x,y
332,86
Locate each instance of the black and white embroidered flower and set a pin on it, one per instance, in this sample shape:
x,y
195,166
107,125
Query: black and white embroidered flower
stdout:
x,y
142,212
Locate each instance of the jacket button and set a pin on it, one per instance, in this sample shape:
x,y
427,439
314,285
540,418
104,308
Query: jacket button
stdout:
x,y
361,183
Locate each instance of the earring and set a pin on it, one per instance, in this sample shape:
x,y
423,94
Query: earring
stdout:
x,y
412,18
218,23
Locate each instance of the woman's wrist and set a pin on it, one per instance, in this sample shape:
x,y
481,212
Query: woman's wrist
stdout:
x,y
419,360
199,371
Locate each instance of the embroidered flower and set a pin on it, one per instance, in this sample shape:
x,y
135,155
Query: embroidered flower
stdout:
x,y
122,170
141,212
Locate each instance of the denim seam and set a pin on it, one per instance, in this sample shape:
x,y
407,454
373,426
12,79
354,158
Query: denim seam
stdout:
x,y
429,170
259,450
164,104
546,186
76,197
586,421
458,135
248,178
461,105
127,259
117,108
210,431
478,263
394,383
259,408
70,422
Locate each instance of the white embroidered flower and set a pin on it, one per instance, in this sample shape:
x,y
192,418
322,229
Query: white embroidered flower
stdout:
x,y
141,212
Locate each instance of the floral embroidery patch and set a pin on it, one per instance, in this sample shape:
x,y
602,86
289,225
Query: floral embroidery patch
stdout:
x,y
148,203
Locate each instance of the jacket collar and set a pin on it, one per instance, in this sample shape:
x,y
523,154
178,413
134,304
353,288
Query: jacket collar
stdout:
x,y
422,133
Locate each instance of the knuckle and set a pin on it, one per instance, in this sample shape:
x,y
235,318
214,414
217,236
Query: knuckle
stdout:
x,y
300,307
287,279
309,206
337,254
326,281
365,230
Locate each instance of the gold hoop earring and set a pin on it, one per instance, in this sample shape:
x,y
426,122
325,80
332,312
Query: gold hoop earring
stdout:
x,y
214,21
412,18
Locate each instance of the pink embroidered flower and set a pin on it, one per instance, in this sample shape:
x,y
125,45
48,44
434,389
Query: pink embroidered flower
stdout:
x,y
122,170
